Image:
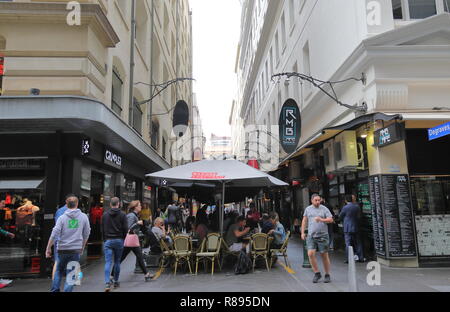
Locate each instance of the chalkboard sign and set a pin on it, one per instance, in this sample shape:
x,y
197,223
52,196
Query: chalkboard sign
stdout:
x,y
377,216
393,223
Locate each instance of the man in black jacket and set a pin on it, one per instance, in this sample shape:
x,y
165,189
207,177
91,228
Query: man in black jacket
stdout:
x,y
114,230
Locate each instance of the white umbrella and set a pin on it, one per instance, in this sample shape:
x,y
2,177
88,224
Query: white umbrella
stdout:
x,y
231,173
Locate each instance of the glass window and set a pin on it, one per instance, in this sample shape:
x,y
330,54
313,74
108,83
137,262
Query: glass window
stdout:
x,y
116,97
422,8
397,9
431,195
1,73
447,5
155,135
137,117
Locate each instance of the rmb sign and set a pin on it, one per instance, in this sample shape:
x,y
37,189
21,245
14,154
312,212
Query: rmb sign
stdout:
x,y
290,126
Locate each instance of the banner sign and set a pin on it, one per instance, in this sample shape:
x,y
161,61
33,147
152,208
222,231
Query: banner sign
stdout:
x,y
289,126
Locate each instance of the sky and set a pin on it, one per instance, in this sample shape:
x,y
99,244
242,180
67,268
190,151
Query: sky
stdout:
x,y
215,32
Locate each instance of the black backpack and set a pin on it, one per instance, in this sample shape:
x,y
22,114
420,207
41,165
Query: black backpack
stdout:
x,y
243,264
154,243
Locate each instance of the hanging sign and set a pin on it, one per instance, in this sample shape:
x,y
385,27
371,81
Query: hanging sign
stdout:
x,y
388,135
289,126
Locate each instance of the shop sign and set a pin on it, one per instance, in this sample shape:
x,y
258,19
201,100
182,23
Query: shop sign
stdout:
x,y
85,147
289,126
20,164
388,135
113,159
439,131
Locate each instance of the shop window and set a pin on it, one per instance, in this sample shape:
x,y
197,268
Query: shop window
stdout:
x,y
22,201
2,64
431,195
116,97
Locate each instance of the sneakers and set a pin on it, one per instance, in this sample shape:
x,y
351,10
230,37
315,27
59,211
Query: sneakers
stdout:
x,y
116,284
107,287
327,278
317,277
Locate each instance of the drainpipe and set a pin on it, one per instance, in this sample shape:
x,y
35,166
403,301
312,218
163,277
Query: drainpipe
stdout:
x,y
133,35
151,73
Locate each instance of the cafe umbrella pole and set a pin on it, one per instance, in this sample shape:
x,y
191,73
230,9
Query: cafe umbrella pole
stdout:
x,y
222,212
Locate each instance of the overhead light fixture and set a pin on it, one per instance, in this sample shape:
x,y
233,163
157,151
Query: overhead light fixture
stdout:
x,y
364,135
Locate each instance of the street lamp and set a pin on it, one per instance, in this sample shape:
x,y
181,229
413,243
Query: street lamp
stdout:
x,y
320,84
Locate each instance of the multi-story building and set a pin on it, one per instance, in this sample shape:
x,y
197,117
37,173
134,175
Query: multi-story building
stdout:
x,y
91,130
218,147
376,145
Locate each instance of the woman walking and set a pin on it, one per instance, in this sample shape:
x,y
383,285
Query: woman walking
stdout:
x,y
133,226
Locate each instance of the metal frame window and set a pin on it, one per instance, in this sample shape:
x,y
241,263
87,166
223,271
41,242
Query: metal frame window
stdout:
x,y
418,9
116,94
137,117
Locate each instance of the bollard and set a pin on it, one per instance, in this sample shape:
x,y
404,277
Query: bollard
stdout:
x,y
306,263
352,285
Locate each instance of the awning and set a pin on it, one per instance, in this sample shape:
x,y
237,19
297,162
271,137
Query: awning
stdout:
x,y
426,116
20,184
358,121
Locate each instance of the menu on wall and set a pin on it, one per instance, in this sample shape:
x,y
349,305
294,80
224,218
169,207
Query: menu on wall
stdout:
x,y
393,225
364,199
377,215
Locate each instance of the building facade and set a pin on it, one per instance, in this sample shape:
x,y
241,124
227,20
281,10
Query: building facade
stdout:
x,y
91,130
387,61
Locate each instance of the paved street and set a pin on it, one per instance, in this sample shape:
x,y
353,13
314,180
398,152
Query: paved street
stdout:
x,y
277,280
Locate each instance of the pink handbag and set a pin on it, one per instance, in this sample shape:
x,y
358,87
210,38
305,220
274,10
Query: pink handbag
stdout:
x,y
131,240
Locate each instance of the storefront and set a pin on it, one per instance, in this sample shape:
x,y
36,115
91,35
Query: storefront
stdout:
x,y
37,173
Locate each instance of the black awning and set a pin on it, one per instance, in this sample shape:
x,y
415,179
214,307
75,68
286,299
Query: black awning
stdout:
x,y
355,123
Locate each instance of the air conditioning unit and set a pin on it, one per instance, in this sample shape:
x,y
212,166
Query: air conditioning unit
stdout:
x,y
308,158
346,151
328,156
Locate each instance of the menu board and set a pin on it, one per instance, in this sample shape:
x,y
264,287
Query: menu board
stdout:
x,y
364,199
398,216
393,225
377,215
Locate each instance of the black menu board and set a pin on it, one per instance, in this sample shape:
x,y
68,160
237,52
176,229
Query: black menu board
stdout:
x,y
377,215
364,199
398,216
393,223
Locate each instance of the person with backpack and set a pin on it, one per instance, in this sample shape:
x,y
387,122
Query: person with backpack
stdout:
x,y
134,225
114,228
72,231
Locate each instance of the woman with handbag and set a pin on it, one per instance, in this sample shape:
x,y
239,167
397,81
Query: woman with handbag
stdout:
x,y
131,242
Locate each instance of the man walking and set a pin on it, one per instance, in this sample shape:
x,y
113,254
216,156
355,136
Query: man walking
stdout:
x,y
317,217
58,214
72,232
114,230
350,214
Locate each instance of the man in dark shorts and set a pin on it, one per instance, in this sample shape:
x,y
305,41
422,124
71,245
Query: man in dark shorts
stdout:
x,y
317,217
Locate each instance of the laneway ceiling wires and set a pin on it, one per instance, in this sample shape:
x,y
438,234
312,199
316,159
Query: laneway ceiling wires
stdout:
x,y
158,88
320,84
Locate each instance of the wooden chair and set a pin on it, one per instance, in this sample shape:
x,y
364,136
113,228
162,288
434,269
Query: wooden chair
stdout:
x,y
182,251
210,250
166,255
282,251
260,248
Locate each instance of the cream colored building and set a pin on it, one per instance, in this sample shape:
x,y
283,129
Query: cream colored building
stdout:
x,y
94,59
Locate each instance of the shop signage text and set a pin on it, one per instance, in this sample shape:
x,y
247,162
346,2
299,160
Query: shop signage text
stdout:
x,y
289,126
113,159
20,164
206,175
439,131
85,147
388,135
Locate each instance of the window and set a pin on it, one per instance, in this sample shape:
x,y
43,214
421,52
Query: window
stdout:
x,y
397,9
137,116
116,98
1,73
277,48
155,135
306,64
164,148
291,12
283,32
421,8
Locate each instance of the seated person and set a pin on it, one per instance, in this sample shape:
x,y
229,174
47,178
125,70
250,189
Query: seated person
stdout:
x,y
235,233
266,224
160,231
278,232
253,217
